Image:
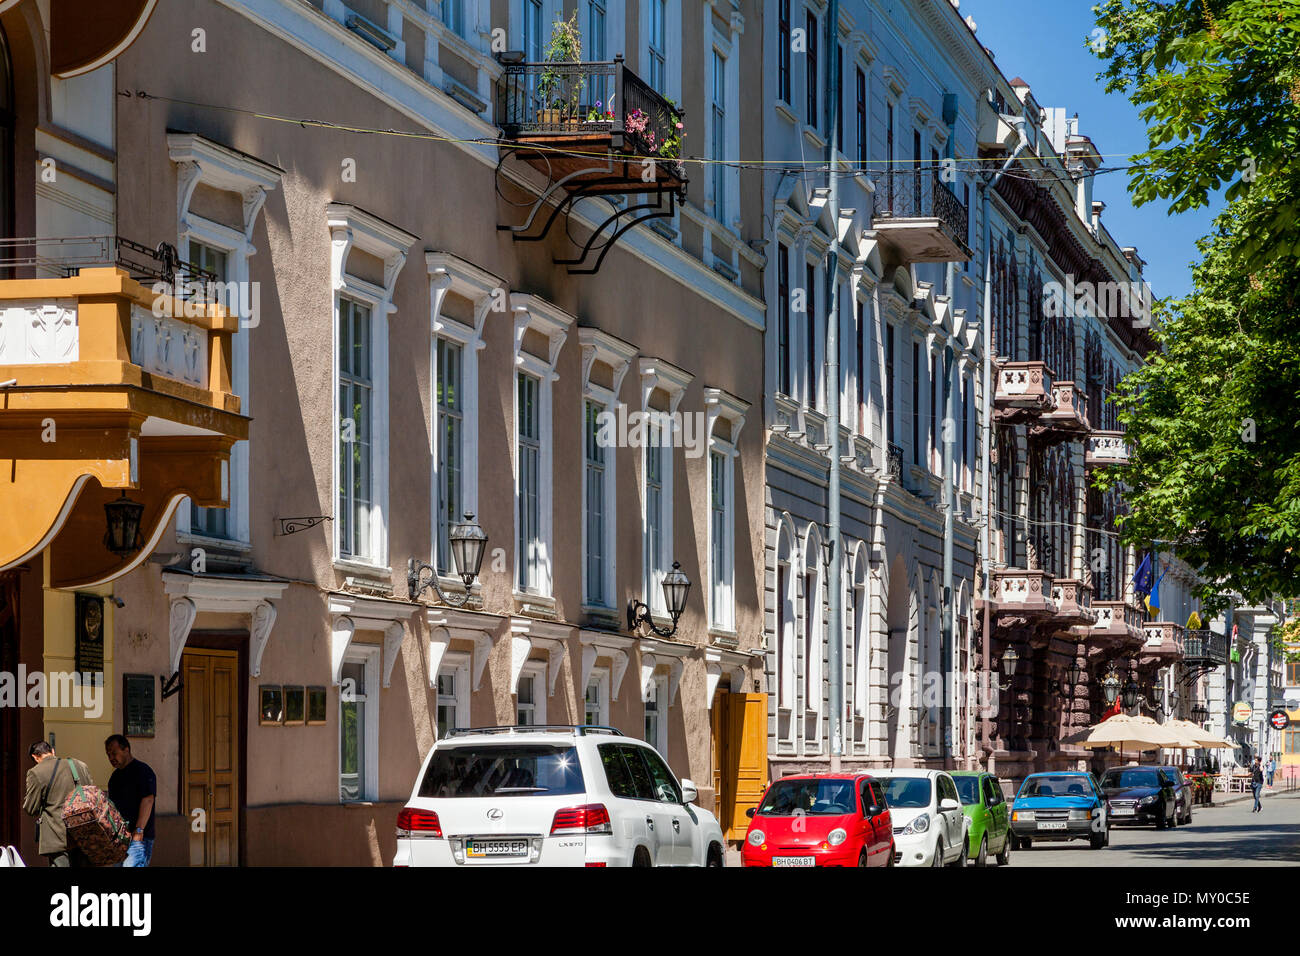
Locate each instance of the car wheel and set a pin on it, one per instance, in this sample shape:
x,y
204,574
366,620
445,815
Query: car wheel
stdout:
x,y
641,857
938,854
1097,840
715,857
862,858
1004,857
893,852
1173,820
963,854
982,859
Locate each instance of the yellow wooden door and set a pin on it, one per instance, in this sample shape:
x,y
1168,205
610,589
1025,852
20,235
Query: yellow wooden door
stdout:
x,y
740,758
210,773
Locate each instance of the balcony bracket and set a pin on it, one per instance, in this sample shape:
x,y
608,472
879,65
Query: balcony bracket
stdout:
x,y
521,232
642,212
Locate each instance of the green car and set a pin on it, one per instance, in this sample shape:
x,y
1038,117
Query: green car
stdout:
x,y
989,830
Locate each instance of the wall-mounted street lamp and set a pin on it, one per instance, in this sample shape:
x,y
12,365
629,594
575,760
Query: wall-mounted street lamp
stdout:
x,y
467,543
1110,686
676,586
1130,694
1200,714
1010,661
123,534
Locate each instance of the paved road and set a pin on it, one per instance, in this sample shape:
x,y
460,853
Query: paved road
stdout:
x,y
1227,835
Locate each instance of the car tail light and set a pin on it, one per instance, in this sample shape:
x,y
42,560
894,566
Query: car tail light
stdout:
x,y
411,820
596,864
589,818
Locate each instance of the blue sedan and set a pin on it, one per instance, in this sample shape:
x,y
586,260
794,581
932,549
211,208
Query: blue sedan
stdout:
x,y
1059,806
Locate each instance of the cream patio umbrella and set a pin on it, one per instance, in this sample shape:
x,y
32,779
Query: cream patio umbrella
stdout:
x,y
1137,733
1191,731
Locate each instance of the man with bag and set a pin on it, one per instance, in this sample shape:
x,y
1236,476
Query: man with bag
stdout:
x,y
133,789
49,784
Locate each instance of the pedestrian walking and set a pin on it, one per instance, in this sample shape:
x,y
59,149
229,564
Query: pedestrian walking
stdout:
x,y
1256,783
133,788
1269,770
48,785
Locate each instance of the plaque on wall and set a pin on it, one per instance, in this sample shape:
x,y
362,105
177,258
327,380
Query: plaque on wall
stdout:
x,y
137,704
315,705
89,637
294,704
272,704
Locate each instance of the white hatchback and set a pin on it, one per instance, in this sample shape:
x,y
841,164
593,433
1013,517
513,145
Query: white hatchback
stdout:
x,y
552,796
929,825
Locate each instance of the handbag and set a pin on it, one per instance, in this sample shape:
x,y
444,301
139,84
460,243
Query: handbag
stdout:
x,y
94,826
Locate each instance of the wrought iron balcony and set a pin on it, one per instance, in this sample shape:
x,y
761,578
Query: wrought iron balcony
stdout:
x,y
1104,449
1204,647
894,456
591,105
920,216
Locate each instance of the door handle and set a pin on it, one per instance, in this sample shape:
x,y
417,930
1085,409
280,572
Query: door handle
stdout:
x,y
649,822
677,825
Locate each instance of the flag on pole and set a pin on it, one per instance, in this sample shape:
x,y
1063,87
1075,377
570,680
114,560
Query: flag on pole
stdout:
x,y
1145,576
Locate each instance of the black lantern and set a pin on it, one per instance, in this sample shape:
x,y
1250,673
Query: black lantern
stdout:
x,y
1200,714
1110,687
1158,696
123,534
1074,674
1130,694
676,588
467,542
1010,661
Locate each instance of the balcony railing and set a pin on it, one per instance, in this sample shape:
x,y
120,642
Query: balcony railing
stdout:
x,y
918,212
894,459
1204,646
596,98
63,256
1106,448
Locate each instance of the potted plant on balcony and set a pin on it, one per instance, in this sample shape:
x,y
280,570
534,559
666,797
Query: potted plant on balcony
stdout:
x,y
560,90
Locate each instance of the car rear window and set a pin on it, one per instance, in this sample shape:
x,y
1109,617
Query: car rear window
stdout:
x,y
503,770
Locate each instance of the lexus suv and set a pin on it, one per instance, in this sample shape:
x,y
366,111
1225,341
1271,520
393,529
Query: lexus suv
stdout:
x,y
552,796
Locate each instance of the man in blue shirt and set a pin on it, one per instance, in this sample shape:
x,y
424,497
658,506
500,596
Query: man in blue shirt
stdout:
x,y
133,789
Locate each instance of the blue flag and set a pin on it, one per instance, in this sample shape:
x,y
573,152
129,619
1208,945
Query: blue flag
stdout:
x,y
1145,577
1153,601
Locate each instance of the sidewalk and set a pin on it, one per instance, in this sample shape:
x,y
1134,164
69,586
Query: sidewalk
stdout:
x,y
1226,799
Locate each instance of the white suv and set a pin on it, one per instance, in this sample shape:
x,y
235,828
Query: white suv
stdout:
x,y
552,796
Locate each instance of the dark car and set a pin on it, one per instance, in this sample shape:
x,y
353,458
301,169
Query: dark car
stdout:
x,y
1141,795
1184,796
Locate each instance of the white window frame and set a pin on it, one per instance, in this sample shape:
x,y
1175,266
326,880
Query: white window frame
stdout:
x,y
531,312
600,678
813,636
448,273
655,373
658,686
456,664
672,85
536,672
721,405
201,161
725,45
617,354
367,655
351,228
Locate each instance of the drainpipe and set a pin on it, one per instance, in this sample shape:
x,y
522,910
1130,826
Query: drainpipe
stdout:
x,y
835,657
986,537
947,622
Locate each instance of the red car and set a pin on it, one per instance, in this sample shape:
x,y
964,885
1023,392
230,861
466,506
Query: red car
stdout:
x,y
821,819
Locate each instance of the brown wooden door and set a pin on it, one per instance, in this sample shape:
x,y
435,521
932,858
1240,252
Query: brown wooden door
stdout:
x,y
210,758
739,758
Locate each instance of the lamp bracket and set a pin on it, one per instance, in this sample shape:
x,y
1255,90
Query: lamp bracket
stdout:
x,y
415,572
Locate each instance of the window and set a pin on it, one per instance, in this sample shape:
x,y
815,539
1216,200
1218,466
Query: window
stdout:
x,y
596,701
967,429
810,317
783,51
530,697
534,37
889,150
1292,742
934,411
657,458
862,119
657,73
970,223
665,784
656,725
597,50
1292,673
359,726
451,421
916,403
839,99
595,479
916,171
860,369
812,635
453,14
211,522
720,564
783,319
453,694
502,769
889,383
718,132
528,441
355,393
810,71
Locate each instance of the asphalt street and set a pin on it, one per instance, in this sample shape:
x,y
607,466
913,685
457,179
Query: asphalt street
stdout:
x,y
1226,835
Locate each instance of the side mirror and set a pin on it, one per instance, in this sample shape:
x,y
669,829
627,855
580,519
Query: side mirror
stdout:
x,y
750,812
948,803
874,810
689,791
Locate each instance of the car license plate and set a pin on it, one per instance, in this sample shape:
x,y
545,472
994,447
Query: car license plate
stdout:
x,y
1052,825
794,861
478,848
1123,812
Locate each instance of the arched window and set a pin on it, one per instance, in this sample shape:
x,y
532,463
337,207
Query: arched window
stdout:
x,y
1094,373
1004,505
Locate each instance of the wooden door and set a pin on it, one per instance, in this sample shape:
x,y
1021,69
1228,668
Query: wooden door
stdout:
x,y
210,754
740,758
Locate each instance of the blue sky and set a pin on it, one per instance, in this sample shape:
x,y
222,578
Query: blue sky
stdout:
x,y
1044,43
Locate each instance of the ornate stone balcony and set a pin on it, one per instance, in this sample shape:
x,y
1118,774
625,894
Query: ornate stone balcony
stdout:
x,y
1118,626
1164,642
1104,449
110,390
1023,593
1067,417
1073,600
1024,390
